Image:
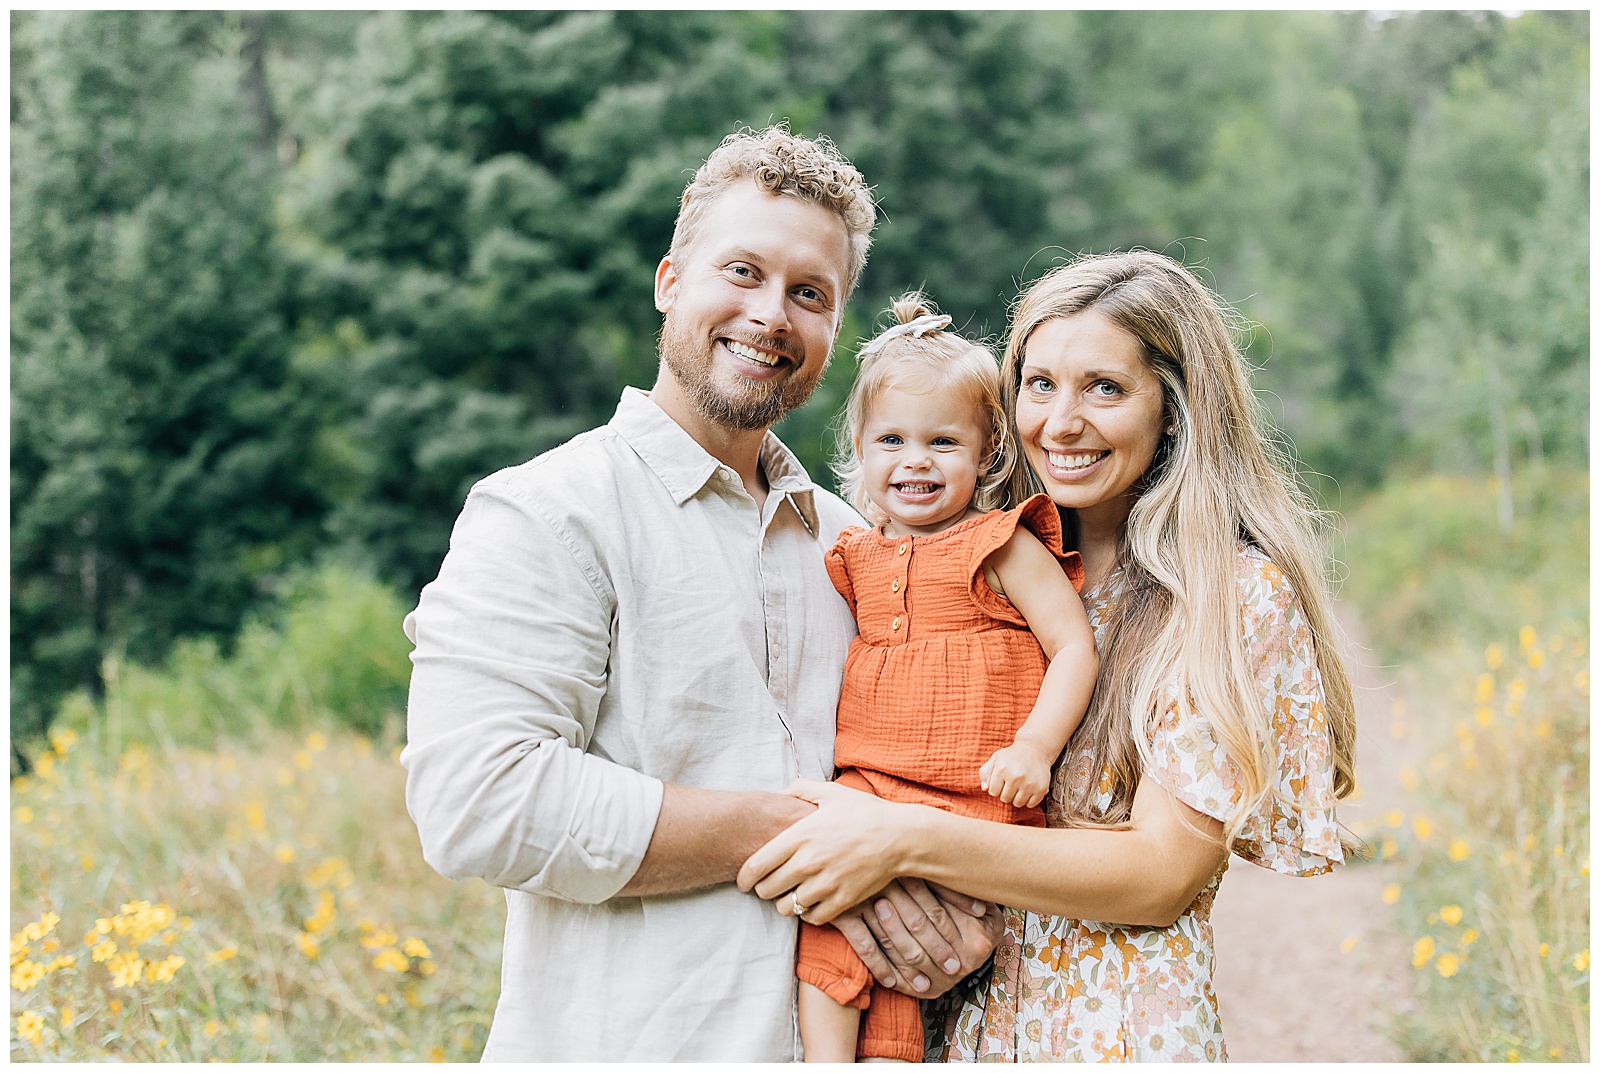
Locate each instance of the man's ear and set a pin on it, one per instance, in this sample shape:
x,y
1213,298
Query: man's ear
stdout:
x,y
666,284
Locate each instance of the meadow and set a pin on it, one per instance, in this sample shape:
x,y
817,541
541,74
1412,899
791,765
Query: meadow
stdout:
x,y
214,863
1489,631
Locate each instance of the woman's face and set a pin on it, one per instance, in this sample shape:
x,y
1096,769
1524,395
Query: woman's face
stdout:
x,y
1089,414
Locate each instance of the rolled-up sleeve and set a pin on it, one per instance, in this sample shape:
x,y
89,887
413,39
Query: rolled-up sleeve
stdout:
x,y
512,643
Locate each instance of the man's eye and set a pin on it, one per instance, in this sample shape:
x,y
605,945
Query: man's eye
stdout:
x,y
810,294
742,270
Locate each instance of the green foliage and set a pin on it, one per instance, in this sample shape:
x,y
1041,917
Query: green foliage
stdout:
x,y
291,281
158,471
1430,569
331,649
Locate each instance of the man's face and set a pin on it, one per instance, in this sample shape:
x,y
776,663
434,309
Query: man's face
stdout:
x,y
752,311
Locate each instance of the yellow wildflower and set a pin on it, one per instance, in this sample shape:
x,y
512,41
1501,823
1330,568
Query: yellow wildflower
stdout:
x,y
1469,937
63,739
1422,826
1527,638
1580,960
1494,655
22,785
302,759
1459,850
115,1005
1450,914
1347,945
1470,762
1544,950
284,853
1448,965
25,975
45,765
1397,730
86,862
1516,688
218,956
126,968
1536,659
104,951
427,968
363,746
162,971
1528,842
308,945
1408,777
255,816
416,948
30,1026
1421,951
24,814
1555,1052
1390,847
391,959
383,1000
1394,818
1513,1055
1485,688
435,1054
1391,894
67,962
67,1014
285,777
1483,716
211,1028
1541,729
375,939
316,741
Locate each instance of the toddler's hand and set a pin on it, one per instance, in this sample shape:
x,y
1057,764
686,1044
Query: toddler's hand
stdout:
x,y
1019,775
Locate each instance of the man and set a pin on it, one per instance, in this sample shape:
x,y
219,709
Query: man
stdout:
x,y
633,645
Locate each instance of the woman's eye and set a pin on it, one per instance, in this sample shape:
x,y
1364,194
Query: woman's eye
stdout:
x,y
1038,384
1105,388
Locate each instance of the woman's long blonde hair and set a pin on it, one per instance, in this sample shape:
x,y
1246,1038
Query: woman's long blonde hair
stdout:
x,y
1216,482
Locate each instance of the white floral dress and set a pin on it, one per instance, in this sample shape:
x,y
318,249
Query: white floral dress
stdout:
x,y
1066,990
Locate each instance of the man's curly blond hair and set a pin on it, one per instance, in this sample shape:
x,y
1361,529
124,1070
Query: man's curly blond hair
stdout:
x,y
782,163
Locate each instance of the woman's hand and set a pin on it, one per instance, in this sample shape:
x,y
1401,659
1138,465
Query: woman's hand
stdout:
x,y
920,939
846,851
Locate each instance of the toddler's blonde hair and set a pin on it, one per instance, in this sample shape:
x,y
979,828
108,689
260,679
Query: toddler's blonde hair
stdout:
x,y
923,357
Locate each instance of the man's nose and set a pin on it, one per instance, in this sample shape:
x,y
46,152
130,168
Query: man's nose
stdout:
x,y
769,308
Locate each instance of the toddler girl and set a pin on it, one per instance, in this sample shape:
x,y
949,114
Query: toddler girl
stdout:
x,y
948,698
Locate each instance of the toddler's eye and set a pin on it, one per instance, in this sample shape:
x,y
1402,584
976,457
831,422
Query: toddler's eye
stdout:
x,y
889,439
943,441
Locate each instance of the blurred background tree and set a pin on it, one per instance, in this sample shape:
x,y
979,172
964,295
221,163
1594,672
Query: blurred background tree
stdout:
x,y
284,285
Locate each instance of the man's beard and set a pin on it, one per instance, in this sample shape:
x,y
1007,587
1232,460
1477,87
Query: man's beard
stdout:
x,y
756,404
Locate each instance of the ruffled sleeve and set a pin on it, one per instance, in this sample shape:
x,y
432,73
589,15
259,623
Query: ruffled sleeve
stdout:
x,y
1294,830
1040,517
838,566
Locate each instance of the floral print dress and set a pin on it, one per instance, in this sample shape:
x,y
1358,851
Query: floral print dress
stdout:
x,y
1066,990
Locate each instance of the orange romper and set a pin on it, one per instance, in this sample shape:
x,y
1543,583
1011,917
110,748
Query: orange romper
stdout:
x,y
944,672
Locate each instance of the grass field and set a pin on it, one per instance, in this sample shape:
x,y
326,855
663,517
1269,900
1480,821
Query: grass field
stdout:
x,y
1490,631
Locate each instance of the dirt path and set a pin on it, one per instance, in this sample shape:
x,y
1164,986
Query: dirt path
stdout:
x,y
1312,970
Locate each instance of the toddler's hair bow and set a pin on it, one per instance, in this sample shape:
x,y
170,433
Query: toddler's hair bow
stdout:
x,y
924,324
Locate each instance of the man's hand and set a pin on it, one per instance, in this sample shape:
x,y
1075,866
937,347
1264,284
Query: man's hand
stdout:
x,y
921,940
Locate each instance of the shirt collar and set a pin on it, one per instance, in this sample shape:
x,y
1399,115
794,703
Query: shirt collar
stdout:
x,y
684,466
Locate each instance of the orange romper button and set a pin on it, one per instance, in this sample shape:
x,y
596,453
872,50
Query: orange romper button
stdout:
x,y
894,586
895,625
903,549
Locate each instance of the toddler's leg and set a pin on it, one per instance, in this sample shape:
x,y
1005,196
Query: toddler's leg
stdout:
x,y
834,988
827,1029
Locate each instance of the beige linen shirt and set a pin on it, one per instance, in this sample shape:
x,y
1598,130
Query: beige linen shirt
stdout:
x,y
614,615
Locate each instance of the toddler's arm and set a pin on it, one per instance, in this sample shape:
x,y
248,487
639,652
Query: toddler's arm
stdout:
x,y
1032,579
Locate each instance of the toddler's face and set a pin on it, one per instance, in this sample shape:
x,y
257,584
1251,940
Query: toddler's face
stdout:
x,y
920,454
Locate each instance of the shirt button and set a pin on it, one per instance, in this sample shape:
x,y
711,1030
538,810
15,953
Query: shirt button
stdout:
x,y
895,625
903,549
894,586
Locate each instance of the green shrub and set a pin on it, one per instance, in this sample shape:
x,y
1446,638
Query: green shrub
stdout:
x,y
330,651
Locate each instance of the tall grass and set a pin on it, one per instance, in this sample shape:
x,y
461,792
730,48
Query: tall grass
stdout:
x,y
214,861
1491,632
260,902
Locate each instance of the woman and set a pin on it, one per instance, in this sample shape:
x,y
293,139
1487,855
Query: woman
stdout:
x,y
1222,716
